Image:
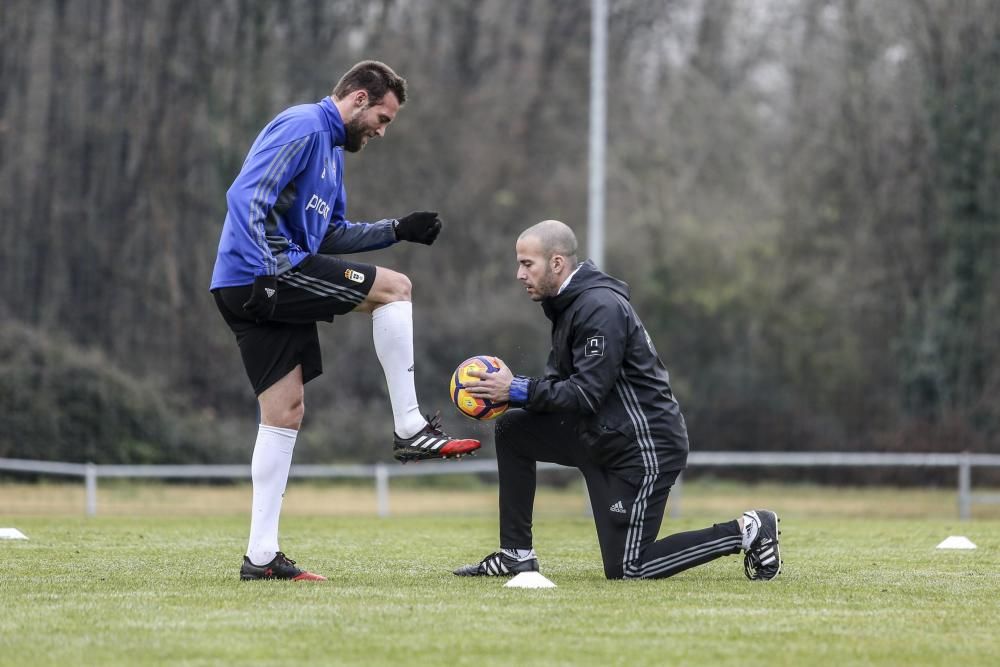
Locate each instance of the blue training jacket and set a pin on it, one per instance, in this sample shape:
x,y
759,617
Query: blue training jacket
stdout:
x,y
288,201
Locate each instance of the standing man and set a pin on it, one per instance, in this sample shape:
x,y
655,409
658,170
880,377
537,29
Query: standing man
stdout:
x,y
604,406
275,278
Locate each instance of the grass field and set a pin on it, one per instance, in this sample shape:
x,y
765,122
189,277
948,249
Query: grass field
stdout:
x,y
862,587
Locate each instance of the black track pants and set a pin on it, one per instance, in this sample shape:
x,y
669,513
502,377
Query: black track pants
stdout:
x,y
627,511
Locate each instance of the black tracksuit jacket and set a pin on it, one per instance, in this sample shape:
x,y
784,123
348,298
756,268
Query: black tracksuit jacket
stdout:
x,y
604,367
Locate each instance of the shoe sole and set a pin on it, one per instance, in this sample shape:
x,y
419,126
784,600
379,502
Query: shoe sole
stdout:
x,y
461,573
510,573
305,576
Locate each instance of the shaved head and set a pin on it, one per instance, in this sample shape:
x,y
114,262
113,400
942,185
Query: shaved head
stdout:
x,y
546,257
554,238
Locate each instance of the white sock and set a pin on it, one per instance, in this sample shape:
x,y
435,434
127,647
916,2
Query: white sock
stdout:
x,y
751,527
520,554
272,457
392,331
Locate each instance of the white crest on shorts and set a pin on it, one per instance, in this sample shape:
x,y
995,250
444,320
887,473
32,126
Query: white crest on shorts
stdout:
x,y
354,276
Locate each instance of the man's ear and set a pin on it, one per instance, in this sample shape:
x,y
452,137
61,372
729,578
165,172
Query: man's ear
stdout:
x,y
558,262
361,99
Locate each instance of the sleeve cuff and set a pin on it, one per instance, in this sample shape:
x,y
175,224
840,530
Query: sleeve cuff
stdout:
x,y
386,233
520,387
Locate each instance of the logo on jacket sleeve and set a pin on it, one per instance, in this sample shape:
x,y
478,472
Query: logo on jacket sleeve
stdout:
x,y
595,347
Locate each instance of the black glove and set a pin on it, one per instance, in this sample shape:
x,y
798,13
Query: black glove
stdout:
x,y
418,227
263,299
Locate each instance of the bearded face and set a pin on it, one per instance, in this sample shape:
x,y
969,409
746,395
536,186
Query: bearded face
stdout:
x,y
364,119
358,132
535,270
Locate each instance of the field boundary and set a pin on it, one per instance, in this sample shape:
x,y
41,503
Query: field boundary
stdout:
x,y
381,473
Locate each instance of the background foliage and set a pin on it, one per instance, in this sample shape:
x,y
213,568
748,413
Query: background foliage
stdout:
x,y
803,196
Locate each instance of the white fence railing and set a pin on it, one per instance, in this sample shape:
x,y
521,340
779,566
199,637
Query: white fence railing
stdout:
x,y
381,472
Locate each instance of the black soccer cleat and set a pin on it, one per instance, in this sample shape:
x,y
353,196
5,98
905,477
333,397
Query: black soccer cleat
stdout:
x,y
498,564
762,560
280,567
432,443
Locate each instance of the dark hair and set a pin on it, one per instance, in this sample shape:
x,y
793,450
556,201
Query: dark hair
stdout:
x,y
374,77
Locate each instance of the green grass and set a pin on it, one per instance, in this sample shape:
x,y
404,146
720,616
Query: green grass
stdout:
x,y
138,591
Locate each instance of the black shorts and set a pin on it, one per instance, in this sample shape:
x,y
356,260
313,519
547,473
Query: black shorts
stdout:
x,y
316,290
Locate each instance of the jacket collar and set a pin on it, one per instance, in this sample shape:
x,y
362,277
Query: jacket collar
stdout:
x,y
587,276
337,132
